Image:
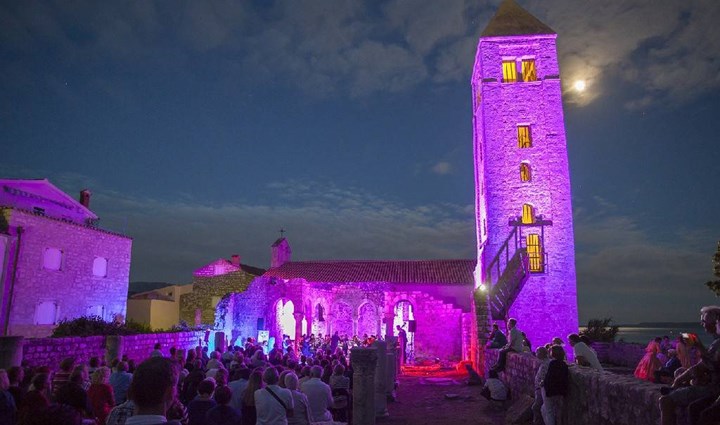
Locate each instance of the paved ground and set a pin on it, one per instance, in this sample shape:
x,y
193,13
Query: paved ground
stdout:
x,y
422,401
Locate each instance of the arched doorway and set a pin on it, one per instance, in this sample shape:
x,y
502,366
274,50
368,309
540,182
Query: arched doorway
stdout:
x,y
368,320
319,320
285,319
405,318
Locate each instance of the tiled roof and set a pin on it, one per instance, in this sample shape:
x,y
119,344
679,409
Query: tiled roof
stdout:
x,y
456,272
511,19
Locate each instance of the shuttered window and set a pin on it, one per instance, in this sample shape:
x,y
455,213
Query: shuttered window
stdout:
x,y
509,71
528,70
523,136
535,254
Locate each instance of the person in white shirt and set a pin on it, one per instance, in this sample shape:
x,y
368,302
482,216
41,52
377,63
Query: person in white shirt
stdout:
x,y
238,387
494,388
584,355
515,343
319,396
273,403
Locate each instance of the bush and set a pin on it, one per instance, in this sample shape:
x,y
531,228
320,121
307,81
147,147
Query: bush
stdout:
x,y
94,325
600,330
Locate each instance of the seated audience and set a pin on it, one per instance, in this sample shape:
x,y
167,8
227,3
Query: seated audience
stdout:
x,y
101,394
319,396
274,404
494,388
301,412
199,406
222,413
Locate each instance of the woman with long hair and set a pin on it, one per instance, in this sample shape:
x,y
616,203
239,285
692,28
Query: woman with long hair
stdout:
x,y
249,414
649,363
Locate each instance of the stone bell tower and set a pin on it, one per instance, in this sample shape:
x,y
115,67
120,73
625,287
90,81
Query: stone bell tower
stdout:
x,y
526,252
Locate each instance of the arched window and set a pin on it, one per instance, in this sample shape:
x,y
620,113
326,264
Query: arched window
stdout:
x,y
525,172
100,267
52,259
528,214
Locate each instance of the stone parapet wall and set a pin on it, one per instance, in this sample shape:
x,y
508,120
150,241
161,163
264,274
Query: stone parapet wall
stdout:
x,y
595,398
51,351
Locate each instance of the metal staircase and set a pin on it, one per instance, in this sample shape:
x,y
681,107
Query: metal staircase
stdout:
x,y
506,274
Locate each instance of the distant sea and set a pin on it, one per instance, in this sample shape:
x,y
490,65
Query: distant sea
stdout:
x,y
642,333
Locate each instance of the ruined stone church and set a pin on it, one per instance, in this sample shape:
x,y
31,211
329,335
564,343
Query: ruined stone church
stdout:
x,y
525,265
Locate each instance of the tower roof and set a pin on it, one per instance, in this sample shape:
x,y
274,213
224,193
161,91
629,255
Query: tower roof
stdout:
x,y
511,19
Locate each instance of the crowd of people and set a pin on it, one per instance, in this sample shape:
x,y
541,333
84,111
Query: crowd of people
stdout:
x,y
552,377
692,385
241,386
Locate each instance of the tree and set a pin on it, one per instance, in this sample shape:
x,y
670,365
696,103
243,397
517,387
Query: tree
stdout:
x,y
714,285
600,330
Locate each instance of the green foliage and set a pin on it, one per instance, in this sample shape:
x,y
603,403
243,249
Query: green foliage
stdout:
x,y
94,325
86,326
600,330
714,285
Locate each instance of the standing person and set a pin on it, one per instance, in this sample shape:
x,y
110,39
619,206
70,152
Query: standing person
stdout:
x,y
515,344
120,382
584,355
153,391
647,366
402,337
319,396
542,355
249,411
100,394
274,404
555,386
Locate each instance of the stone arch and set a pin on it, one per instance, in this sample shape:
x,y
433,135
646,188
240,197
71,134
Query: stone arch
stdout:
x,y
283,312
342,318
368,319
319,316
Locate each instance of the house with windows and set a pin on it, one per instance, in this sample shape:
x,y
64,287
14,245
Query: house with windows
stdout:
x,y
56,262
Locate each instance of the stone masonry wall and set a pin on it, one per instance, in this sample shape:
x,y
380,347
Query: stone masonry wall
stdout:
x,y
207,289
595,398
51,351
73,289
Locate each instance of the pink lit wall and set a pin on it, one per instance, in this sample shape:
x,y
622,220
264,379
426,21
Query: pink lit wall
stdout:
x,y
547,305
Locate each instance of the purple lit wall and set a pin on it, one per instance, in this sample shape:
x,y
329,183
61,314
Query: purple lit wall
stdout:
x,y
547,304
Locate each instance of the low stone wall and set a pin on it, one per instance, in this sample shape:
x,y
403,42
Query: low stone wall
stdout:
x,y
595,398
51,351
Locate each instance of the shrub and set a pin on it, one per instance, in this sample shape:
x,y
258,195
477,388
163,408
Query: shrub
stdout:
x,y
600,330
94,325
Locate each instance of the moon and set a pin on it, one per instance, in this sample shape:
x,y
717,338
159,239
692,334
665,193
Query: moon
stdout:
x,y
580,85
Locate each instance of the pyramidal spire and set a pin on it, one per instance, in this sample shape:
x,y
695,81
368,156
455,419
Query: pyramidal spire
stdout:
x,y
511,19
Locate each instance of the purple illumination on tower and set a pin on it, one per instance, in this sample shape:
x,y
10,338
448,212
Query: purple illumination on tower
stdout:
x,y
524,215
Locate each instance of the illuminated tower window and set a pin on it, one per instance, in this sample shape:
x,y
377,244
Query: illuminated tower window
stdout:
x,y
528,70
524,137
525,172
534,251
528,214
509,71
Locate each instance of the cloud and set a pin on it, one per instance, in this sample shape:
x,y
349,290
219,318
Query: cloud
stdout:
x,y
629,274
349,48
172,238
442,168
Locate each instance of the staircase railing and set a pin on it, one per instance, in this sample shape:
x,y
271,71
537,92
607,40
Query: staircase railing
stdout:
x,y
502,258
506,289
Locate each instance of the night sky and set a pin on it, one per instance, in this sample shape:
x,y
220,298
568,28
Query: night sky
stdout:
x,y
204,127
